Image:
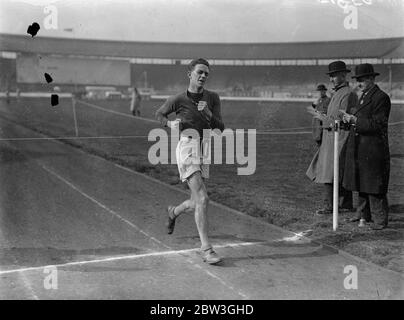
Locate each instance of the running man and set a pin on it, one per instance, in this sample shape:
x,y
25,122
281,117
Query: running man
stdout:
x,y
197,109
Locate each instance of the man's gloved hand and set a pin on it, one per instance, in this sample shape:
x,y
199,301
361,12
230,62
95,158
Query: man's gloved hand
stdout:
x,y
348,118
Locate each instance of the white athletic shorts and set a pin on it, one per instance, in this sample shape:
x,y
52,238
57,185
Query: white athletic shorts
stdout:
x,y
190,158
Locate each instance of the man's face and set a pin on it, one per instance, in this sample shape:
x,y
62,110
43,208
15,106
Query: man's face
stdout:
x,y
198,75
365,83
338,78
323,93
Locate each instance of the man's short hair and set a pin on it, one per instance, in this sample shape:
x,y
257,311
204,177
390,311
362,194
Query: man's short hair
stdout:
x,y
194,62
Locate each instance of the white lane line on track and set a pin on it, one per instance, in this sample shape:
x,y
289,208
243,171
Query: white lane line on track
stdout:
x,y
130,257
103,206
138,229
395,123
28,285
282,132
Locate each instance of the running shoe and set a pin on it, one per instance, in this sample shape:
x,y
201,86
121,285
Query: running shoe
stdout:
x,y
171,219
210,256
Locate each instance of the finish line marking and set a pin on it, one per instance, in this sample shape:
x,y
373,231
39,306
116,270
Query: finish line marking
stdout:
x,y
130,257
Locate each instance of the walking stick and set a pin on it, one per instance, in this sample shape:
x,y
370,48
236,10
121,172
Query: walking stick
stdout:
x,y
336,177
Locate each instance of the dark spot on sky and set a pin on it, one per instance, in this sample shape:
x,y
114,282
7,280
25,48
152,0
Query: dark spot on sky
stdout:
x,y
54,100
33,29
48,78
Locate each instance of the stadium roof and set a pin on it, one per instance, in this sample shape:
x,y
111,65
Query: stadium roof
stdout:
x,y
375,48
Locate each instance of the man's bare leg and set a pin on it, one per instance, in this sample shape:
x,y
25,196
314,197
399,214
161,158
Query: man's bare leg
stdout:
x,y
199,203
185,207
201,200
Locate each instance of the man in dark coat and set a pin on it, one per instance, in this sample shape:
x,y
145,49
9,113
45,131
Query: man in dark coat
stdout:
x,y
367,155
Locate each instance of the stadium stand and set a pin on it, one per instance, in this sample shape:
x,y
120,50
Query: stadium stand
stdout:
x,y
298,81
260,69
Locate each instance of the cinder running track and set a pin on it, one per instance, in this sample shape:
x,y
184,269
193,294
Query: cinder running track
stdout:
x,y
102,227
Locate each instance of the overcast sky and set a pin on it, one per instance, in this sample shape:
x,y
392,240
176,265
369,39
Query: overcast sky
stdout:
x,y
206,20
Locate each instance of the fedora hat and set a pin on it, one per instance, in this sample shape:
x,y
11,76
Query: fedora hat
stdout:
x,y
363,70
337,66
321,87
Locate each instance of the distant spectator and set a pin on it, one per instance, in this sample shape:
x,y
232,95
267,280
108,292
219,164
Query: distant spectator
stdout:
x,y
8,96
8,88
321,105
135,102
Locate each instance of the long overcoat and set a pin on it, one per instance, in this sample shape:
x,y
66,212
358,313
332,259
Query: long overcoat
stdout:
x,y
367,155
321,169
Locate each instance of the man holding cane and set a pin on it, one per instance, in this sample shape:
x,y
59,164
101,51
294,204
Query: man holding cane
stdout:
x,y
321,169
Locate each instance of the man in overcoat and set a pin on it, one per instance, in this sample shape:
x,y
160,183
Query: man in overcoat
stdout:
x,y
367,159
321,169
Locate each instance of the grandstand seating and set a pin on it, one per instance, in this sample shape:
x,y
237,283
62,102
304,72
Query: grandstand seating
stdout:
x,y
295,81
270,81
